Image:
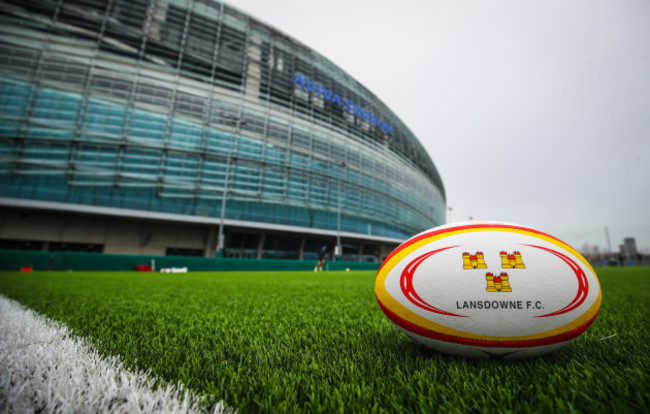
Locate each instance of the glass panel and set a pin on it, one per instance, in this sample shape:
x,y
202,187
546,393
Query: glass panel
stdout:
x,y
185,135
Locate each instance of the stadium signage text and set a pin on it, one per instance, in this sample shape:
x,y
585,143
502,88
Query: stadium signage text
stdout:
x,y
333,97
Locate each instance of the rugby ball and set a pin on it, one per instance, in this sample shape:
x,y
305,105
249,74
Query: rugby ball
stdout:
x,y
488,290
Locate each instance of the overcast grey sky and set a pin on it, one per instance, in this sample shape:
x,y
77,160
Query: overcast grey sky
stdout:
x,y
535,112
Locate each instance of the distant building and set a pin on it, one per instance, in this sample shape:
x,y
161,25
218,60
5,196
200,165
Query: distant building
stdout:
x,y
628,248
147,126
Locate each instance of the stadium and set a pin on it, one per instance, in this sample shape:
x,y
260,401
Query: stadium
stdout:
x,y
186,132
185,128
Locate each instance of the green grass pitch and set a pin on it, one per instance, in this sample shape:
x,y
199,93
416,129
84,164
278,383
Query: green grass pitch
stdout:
x,y
318,342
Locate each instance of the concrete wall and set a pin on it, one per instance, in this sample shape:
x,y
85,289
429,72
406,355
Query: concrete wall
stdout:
x,y
119,236
131,236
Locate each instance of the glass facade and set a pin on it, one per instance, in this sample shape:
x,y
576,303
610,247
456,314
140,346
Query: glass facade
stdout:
x,y
172,105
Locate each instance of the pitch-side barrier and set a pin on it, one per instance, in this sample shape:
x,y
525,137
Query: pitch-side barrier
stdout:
x,y
42,260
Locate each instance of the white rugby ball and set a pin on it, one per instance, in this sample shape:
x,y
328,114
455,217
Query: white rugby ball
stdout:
x,y
488,290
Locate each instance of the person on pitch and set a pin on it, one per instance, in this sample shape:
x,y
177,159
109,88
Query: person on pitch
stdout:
x,y
321,260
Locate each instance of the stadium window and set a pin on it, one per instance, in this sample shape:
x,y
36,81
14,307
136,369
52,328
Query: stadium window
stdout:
x,y
151,94
224,113
7,244
301,139
313,246
338,153
44,8
217,143
172,30
274,155
131,12
201,36
18,60
106,83
249,149
140,164
185,135
99,7
230,56
180,251
161,51
321,146
281,247
75,247
192,105
278,130
242,245
278,77
252,122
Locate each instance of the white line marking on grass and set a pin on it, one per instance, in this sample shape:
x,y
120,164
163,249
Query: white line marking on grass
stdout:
x,y
45,368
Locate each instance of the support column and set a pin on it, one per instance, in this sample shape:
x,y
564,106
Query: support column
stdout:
x,y
260,245
145,233
209,244
301,252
